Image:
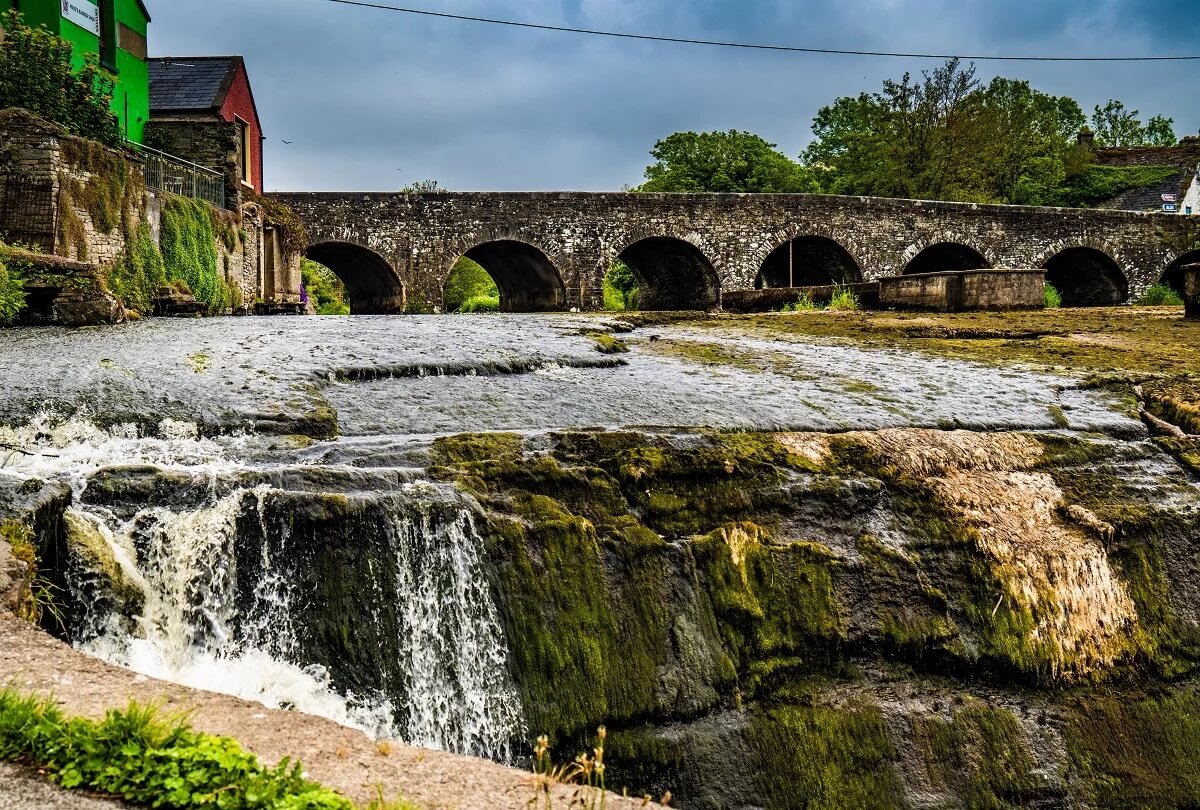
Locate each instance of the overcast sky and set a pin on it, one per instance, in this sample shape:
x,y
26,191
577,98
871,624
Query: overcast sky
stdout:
x,y
373,100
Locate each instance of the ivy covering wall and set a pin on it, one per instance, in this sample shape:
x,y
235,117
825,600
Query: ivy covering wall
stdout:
x,y
189,251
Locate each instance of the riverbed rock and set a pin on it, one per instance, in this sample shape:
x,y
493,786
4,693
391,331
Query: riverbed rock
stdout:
x,y
16,576
954,633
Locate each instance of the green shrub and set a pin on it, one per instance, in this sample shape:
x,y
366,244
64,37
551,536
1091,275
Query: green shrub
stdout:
x,y
37,73
1160,295
189,251
480,303
12,293
146,759
1052,297
843,299
468,280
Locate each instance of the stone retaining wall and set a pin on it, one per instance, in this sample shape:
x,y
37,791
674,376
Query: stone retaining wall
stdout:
x,y
62,195
965,291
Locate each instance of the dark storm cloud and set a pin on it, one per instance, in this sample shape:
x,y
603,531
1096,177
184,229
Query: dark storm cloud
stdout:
x,y
375,100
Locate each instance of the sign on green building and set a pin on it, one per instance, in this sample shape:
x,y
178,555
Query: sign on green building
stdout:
x,y
113,30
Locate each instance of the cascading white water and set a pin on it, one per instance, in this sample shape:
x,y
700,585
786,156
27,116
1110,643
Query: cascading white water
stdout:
x,y
174,608
459,694
187,630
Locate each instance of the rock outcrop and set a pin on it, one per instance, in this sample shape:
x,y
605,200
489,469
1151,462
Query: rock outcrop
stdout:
x,y
896,618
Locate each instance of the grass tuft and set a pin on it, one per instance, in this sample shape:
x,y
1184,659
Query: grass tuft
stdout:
x,y
1160,295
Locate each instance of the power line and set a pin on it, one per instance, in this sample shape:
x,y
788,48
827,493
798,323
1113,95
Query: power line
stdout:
x,y
756,46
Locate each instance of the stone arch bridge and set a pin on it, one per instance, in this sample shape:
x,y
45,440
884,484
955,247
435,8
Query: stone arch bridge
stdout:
x,y
551,250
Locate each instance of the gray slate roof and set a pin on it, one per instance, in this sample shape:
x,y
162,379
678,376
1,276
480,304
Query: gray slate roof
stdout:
x,y
1149,198
190,83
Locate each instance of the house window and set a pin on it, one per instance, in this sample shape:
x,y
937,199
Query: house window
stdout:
x,y
244,151
108,35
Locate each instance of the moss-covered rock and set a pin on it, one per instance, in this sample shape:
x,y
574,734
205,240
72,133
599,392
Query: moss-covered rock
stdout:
x,y
840,758
1136,750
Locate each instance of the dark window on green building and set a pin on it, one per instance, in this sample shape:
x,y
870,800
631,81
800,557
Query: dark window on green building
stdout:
x,y
108,34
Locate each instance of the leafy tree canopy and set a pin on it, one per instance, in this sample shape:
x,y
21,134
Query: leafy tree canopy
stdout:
x,y
36,73
733,161
949,136
1116,126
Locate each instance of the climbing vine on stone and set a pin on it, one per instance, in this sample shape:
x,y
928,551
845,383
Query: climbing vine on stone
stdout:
x,y
189,251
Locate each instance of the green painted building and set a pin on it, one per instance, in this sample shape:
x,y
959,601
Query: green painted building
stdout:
x,y
115,30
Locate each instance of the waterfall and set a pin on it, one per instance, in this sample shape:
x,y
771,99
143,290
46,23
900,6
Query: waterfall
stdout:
x,y
165,597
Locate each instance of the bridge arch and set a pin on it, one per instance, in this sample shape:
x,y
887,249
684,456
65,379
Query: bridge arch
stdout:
x,y
808,260
526,277
372,286
1086,277
672,273
1172,276
943,256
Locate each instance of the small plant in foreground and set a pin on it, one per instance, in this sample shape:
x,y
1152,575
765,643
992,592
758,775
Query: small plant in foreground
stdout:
x,y
1052,297
1160,295
157,761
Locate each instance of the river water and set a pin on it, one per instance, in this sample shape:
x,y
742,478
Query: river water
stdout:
x,y
177,440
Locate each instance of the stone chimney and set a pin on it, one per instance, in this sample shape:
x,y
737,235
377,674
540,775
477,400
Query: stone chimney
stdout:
x,y
1086,138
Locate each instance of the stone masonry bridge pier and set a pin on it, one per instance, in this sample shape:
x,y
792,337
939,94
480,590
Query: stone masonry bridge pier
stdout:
x,y
550,250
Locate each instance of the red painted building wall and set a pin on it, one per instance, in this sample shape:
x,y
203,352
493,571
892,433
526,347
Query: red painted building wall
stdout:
x,y
239,103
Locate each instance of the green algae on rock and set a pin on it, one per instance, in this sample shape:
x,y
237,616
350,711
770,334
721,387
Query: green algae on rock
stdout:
x,y
683,590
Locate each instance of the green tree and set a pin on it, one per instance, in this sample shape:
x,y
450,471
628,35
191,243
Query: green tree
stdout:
x,y
1029,140
12,292
733,161
946,136
620,287
36,73
916,138
1117,126
1160,131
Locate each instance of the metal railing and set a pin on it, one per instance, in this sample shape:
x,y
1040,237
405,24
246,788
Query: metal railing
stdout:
x,y
175,175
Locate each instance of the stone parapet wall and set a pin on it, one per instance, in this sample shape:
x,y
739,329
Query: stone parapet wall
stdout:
x,y
777,298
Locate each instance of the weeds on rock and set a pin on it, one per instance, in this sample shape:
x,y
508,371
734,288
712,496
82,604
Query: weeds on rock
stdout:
x,y
585,772
1052,297
843,299
803,303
